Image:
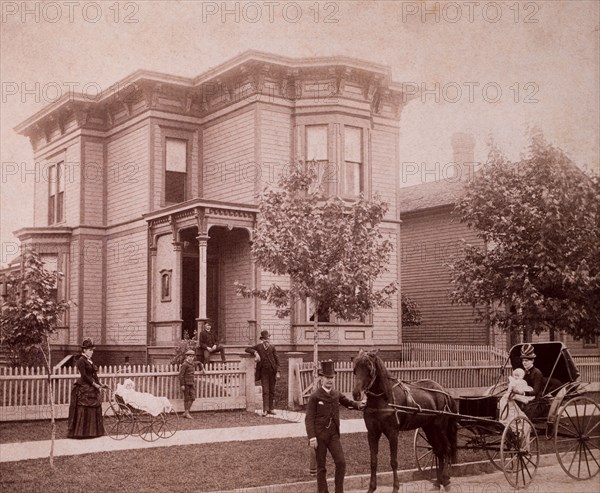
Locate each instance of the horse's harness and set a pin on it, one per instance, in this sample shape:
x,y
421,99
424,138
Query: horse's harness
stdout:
x,y
405,387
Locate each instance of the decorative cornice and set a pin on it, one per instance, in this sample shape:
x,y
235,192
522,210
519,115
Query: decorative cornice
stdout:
x,y
241,78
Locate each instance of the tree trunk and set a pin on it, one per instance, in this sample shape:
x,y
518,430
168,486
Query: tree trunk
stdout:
x,y
51,398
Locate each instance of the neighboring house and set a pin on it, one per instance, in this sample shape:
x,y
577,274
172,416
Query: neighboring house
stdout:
x,y
147,197
432,237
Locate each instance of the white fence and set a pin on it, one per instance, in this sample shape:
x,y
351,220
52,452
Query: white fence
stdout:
x,y
24,391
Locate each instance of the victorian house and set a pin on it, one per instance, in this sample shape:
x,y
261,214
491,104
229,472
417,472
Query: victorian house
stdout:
x,y
147,197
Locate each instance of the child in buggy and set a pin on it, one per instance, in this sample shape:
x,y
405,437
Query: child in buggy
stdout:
x,y
142,400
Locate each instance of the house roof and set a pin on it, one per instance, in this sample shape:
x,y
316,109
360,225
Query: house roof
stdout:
x,y
430,195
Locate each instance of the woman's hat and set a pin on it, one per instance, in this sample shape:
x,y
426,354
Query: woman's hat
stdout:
x,y
527,352
264,334
190,352
327,369
88,343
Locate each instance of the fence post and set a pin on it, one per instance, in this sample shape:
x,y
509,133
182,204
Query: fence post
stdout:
x,y
295,358
247,366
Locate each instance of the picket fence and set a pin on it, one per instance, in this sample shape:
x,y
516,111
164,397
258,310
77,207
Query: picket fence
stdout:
x,y
24,392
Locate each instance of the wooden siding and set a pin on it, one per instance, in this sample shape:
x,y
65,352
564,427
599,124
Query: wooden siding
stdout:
x,y
127,175
228,159
275,146
93,182
72,174
386,325
235,267
91,303
428,242
383,167
126,270
74,291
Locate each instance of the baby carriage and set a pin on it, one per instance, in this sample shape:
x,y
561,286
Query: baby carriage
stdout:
x,y
138,413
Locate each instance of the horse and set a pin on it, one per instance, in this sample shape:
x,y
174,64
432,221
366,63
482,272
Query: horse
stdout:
x,y
383,392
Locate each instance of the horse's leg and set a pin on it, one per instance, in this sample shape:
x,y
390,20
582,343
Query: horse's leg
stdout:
x,y
392,436
440,445
373,436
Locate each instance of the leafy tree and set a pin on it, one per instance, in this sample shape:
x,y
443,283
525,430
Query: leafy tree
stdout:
x,y
411,313
540,221
331,250
30,316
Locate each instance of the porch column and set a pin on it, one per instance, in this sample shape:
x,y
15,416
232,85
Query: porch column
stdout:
x,y
176,290
202,258
152,287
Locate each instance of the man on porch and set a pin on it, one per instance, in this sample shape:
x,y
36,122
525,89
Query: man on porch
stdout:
x,y
209,344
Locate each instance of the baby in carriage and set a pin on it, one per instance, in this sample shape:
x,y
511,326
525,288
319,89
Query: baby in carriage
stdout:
x,y
142,400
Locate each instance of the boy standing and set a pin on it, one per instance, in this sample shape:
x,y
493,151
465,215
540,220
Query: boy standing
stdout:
x,y
323,427
186,380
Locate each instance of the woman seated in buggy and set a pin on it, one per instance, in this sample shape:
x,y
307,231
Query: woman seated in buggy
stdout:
x,y
540,386
143,401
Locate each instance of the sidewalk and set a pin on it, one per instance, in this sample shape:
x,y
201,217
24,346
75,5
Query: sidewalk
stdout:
x,y
13,452
466,478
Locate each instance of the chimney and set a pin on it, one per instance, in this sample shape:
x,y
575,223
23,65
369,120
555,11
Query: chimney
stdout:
x,y
463,147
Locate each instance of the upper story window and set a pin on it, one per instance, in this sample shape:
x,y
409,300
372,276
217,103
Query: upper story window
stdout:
x,y
175,170
317,148
56,193
51,265
353,161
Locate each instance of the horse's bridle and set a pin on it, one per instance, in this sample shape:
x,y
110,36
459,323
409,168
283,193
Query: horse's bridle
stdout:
x,y
373,374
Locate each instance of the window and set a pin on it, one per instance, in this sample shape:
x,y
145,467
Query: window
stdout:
x,y
165,285
352,161
175,170
324,315
317,151
56,195
51,265
590,341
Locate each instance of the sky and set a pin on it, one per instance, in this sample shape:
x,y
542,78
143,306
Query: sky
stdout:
x,y
485,68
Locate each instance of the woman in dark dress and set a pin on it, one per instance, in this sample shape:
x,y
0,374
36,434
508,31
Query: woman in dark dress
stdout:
x,y
85,410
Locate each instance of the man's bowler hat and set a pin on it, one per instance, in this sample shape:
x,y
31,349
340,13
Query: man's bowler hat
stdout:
x,y
264,334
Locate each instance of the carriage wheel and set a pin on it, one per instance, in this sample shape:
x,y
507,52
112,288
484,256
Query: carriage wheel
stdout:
x,y
118,422
426,460
577,438
492,446
169,424
519,452
148,426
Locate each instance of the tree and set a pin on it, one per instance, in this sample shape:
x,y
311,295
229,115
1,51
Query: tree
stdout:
x,y
540,221
411,313
331,250
30,316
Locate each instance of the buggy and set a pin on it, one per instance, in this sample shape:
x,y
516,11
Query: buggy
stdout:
x,y
570,419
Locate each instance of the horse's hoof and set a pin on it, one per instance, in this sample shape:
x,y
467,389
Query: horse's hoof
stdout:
x,y
447,488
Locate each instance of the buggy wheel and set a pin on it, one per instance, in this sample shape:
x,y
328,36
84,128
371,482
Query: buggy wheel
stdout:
x,y
169,424
519,452
577,437
118,422
426,460
148,426
492,446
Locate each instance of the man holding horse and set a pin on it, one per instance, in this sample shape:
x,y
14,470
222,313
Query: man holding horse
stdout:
x,y
323,427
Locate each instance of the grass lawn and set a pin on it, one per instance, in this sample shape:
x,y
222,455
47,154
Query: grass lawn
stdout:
x,y
206,467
